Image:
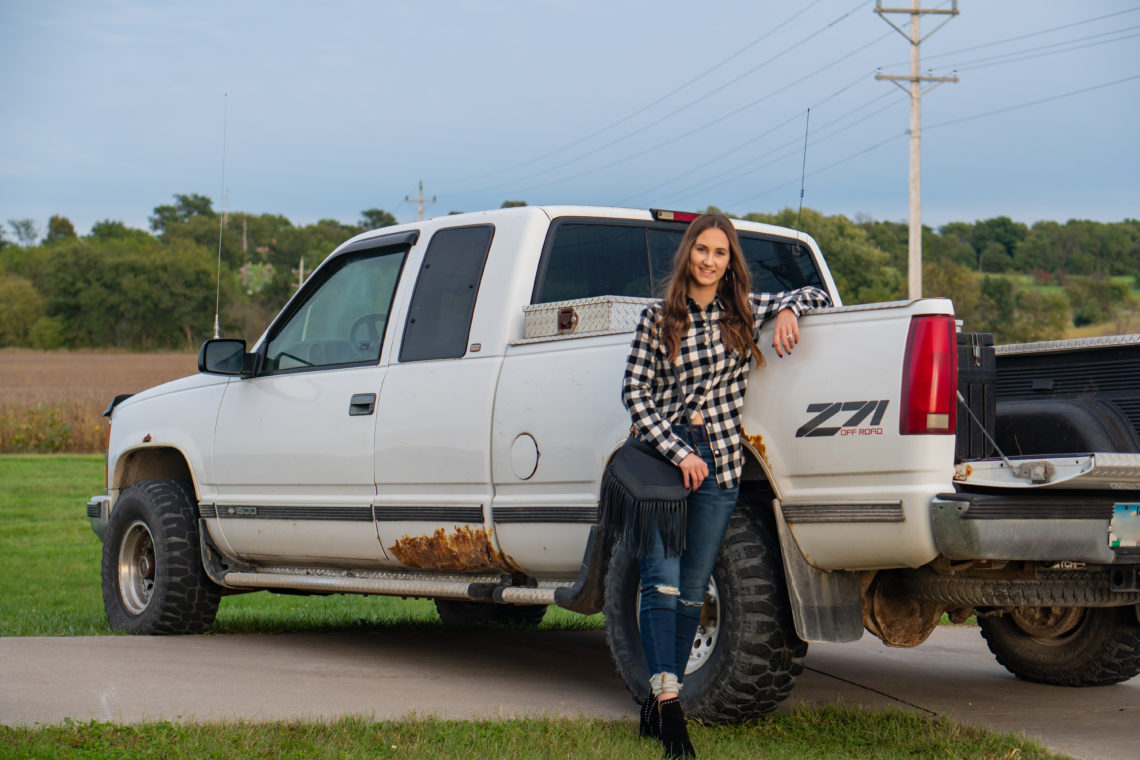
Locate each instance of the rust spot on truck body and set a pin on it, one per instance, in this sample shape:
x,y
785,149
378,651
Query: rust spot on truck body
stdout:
x,y
757,442
463,550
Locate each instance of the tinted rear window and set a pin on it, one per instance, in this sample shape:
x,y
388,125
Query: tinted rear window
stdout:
x,y
590,259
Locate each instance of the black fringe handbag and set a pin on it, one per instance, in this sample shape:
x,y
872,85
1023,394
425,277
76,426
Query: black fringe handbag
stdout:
x,y
643,493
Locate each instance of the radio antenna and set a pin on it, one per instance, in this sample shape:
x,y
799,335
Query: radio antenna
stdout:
x,y
803,169
222,219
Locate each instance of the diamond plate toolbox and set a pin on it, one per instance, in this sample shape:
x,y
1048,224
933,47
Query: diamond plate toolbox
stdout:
x,y
605,314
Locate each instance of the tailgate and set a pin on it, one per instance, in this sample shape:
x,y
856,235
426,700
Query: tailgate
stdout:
x,y
825,424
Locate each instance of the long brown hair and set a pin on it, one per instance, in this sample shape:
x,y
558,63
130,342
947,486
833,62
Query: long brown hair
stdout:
x,y
733,289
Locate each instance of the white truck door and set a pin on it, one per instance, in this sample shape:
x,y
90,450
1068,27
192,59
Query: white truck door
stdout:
x,y
433,431
293,451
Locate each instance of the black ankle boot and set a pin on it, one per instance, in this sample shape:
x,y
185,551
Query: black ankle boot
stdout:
x,y
650,720
673,734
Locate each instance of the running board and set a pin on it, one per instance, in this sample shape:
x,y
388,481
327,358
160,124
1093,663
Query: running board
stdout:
x,y
467,587
474,588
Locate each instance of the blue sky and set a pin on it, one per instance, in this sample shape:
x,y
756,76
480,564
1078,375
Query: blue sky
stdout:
x,y
109,107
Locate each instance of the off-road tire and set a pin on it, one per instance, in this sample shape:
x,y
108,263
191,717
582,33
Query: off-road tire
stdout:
x,y
757,655
153,580
1102,648
459,614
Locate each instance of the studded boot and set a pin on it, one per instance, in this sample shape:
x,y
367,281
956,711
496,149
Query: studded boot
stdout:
x,y
650,719
674,735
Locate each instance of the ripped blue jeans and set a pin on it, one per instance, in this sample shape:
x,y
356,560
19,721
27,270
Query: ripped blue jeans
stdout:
x,y
673,588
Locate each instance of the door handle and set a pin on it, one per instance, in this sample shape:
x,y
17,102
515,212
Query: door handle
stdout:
x,y
362,404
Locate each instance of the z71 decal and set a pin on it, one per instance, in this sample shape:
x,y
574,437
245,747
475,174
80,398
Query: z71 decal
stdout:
x,y
852,425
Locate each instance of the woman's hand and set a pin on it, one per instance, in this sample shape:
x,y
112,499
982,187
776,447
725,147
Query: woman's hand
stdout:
x,y
787,332
693,471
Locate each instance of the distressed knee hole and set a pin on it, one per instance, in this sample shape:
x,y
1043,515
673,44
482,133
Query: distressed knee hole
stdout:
x,y
669,590
687,603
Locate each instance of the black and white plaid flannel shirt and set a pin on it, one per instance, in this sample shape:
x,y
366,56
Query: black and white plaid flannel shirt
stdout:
x,y
712,378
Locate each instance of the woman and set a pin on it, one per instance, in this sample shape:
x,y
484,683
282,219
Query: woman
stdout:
x,y
684,386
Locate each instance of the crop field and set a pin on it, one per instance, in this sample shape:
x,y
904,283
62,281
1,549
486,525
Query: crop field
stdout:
x,y
53,401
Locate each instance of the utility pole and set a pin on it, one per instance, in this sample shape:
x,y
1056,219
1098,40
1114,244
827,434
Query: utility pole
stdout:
x,y
914,89
420,202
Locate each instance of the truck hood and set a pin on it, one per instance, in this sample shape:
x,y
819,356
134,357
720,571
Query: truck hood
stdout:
x,y
181,385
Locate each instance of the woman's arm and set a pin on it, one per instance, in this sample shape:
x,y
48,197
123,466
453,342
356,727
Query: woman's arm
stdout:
x,y
786,307
637,391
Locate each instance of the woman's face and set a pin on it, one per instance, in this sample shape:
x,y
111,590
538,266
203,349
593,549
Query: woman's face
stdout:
x,y
708,258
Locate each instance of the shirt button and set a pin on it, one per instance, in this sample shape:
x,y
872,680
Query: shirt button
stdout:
x,y
717,452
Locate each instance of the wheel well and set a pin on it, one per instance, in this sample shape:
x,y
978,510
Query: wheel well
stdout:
x,y
147,463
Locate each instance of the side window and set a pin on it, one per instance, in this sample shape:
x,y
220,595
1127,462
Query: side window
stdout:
x,y
343,318
777,265
588,260
439,318
662,248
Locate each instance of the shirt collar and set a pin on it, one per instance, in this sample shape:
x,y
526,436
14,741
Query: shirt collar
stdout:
x,y
715,305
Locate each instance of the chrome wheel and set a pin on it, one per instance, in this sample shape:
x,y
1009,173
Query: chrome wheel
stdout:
x,y
704,643
136,567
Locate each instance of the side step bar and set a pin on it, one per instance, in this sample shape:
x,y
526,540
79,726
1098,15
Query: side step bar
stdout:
x,y
389,584
485,587
462,587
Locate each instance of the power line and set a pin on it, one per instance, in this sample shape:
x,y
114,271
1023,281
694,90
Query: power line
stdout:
x,y
746,143
792,182
660,99
1033,102
983,63
790,148
674,112
941,124
1020,36
712,122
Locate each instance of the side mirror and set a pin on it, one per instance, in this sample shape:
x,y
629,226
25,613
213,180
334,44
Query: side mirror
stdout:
x,y
225,356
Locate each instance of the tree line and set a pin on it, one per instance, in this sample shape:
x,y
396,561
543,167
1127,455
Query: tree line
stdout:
x,y
126,287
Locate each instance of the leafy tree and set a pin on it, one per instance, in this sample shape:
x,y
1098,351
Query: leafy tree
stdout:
x,y
1095,299
1039,316
20,306
513,204
133,293
861,269
25,231
47,334
1001,230
958,283
114,230
374,219
185,208
994,258
59,228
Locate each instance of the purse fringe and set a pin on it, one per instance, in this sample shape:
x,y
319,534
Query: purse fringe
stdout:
x,y
634,522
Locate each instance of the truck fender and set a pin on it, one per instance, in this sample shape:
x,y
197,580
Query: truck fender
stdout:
x,y
148,462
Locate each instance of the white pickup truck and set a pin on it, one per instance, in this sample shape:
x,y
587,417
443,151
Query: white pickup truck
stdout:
x,y
431,414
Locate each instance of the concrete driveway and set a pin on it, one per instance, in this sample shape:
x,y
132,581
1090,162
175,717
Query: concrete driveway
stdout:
x,y
465,674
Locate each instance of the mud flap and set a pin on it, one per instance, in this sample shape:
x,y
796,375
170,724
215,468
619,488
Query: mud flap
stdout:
x,y
827,606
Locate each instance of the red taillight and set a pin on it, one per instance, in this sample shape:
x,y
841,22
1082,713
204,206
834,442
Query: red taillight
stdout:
x,y
663,215
930,377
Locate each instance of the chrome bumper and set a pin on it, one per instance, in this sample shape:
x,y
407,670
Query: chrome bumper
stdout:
x,y
99,510
1051,526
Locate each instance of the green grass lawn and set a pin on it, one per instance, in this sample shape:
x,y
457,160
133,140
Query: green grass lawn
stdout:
x,y
49,568
50,586
822,734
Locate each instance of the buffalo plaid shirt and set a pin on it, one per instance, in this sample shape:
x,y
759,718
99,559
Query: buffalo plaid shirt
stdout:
x,y
711,377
